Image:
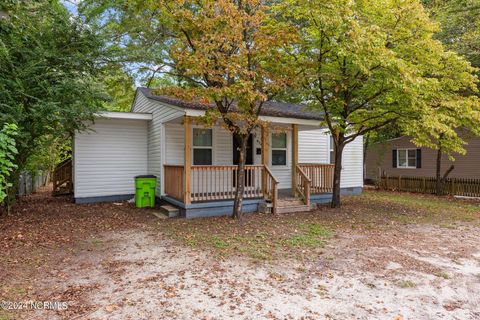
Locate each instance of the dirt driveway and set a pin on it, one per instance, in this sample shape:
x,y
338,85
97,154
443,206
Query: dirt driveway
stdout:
x,y
379,257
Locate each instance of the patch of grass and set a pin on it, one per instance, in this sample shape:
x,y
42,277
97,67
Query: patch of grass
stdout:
x,y
318,230
443,275
259,237
97,242
304,240
322,290
411,208
5,316
310,237
405,284
452,226
370,285
218,243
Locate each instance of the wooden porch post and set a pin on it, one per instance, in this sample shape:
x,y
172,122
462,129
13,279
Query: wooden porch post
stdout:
x,y
265,156
294,158
187,124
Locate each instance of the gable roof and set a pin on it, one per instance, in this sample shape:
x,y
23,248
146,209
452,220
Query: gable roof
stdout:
x,y
270,108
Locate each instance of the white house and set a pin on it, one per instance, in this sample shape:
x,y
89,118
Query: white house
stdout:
x,y
195,166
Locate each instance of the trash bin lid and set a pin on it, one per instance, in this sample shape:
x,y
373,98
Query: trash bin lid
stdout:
x,y
146,176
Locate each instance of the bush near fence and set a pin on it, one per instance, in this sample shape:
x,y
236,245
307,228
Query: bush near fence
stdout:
x,y
452,186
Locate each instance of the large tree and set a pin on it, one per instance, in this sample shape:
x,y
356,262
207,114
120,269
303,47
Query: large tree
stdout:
x,y
364,64
137,36
48,74
460,26
233,52
450,113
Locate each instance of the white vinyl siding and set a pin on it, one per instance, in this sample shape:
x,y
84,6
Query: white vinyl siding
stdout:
x,y
223,146
108,156
174,143
160,113
313,147
352,164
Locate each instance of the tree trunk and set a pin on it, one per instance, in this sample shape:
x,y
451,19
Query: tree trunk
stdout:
x,y
238,202
337,175
438,178
366,144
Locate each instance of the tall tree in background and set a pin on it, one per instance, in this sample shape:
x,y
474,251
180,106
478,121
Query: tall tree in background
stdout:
x,y
460,26
451,111
232,52
365,64
120,87
48,74
460,32
137,37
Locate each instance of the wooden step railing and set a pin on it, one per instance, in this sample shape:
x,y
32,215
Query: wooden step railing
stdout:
x,y
271,189
320,175
62,178
303,187
174,182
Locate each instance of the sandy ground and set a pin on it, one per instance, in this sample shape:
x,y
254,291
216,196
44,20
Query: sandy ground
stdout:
x,y
143,275
111,261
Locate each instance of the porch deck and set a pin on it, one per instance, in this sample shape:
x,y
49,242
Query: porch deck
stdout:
x,y
218,183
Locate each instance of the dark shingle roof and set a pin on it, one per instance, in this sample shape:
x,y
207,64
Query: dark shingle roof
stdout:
x,y
270,108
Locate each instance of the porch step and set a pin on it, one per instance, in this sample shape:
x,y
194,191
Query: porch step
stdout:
x,y
287,205
291,209
169,211
289,202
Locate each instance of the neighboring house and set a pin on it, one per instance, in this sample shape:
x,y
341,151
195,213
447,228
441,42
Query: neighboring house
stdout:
x,y
400,157
195,166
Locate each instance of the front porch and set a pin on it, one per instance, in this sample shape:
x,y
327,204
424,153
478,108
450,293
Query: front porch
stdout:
x,y
273,172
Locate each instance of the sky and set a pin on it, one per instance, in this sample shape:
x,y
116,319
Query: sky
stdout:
x,y
71,5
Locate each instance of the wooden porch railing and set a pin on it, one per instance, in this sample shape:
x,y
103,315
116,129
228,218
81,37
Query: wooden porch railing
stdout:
x,y
210,183
62,178
303,185
219,182
320,175
174,181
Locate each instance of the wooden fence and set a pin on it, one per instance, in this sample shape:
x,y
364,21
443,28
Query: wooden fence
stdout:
x,y
29,182
452,186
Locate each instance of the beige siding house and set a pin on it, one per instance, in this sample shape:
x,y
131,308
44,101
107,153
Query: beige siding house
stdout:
x,y
400,157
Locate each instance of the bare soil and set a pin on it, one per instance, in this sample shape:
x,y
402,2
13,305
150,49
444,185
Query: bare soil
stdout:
x,y
382,256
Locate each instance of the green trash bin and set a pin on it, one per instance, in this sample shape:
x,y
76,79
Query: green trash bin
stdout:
x,y
145,191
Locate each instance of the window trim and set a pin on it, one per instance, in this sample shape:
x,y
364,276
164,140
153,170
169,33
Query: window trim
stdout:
x,y
282,149
331,148
407,166
203,147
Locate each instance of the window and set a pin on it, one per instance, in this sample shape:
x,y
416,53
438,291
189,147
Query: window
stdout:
x,y
279,149
331,148
406,158
202,146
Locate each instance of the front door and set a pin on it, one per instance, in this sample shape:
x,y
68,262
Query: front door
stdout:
x,y
236,151
248,160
